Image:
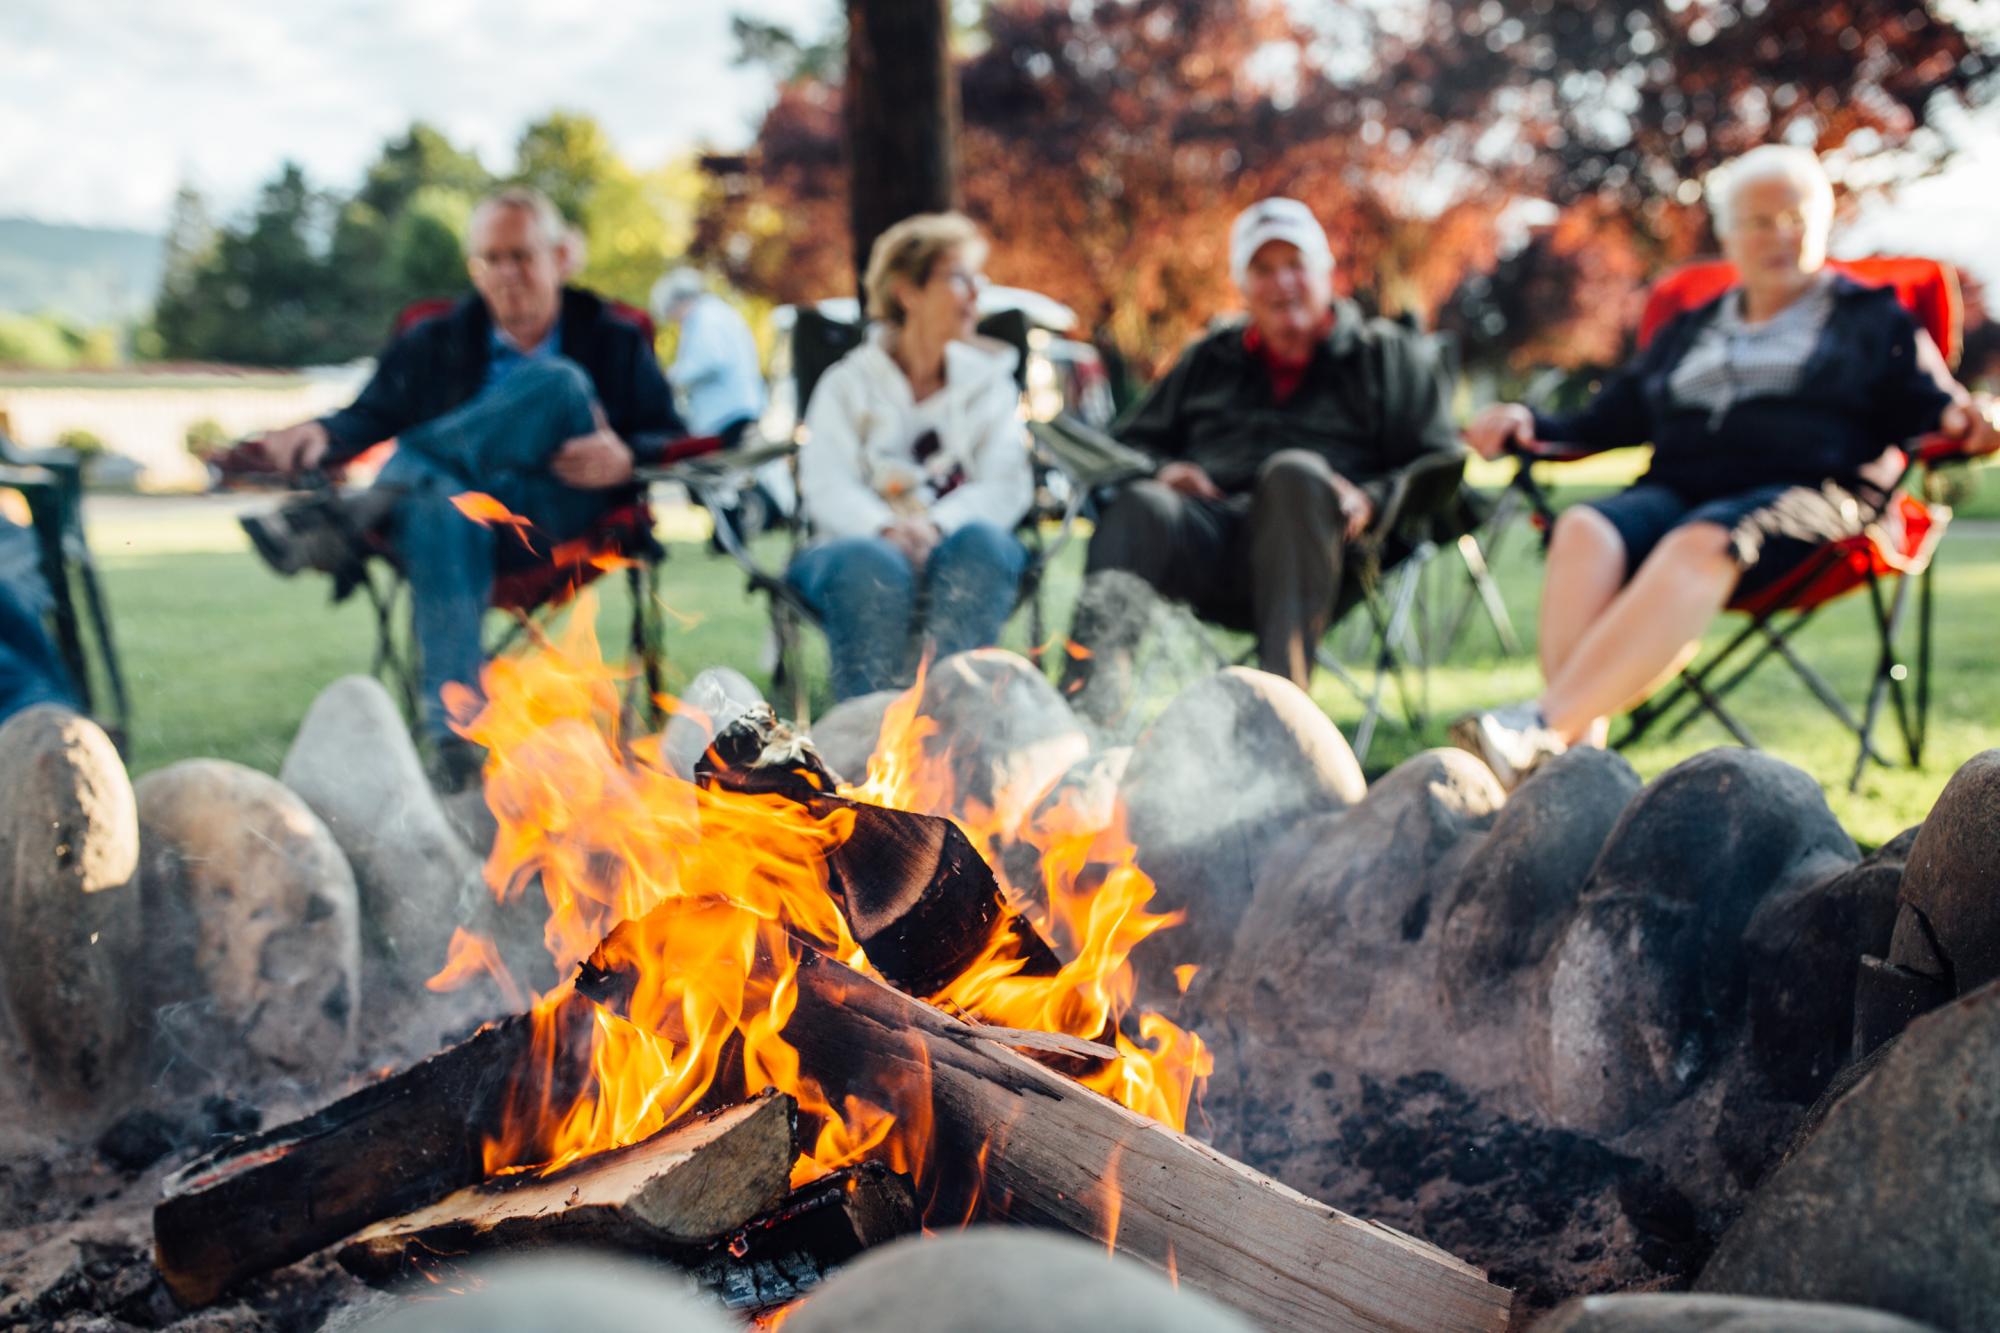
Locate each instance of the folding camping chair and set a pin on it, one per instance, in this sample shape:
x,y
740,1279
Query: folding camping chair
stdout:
x,y
1900,544
817,342
529,584
51,483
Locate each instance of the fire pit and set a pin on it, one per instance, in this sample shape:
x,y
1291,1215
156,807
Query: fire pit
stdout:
x,y
797,1018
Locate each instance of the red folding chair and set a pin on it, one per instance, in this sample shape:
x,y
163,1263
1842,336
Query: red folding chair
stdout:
x,y
1896,550
622,539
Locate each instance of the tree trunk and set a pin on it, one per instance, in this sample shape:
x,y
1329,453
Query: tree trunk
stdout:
x,y
902,116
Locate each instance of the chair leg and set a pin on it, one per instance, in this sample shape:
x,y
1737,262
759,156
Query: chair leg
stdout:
x,y
1924,612
1889,673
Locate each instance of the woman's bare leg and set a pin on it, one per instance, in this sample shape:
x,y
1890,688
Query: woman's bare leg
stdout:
x,y
1586,565
1643,636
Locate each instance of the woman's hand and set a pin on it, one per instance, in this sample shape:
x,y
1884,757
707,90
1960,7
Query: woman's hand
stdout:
x,y
916,537
1497,426
1972,423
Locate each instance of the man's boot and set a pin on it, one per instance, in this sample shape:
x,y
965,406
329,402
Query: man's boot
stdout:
x,y
324,531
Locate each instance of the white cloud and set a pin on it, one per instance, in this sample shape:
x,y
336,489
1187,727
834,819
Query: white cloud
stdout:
x,y
108,105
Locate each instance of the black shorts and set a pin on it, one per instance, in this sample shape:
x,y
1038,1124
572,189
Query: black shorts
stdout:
x,y
1772,530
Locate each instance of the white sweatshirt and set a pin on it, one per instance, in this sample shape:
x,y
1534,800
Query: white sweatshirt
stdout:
x,y
858,466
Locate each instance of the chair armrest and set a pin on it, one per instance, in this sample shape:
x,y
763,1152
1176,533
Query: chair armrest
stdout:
x,y
1088,457
1936,449
1418,489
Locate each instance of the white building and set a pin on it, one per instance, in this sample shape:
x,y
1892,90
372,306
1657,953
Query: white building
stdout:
x,y
144,412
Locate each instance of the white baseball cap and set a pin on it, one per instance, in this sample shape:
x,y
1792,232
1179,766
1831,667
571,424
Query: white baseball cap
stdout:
x,y
1277,219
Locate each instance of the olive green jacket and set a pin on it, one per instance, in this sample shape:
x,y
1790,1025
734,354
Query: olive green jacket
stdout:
x,y
1374,401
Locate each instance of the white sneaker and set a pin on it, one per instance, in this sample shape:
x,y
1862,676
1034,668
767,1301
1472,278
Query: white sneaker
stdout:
x,y
1513,740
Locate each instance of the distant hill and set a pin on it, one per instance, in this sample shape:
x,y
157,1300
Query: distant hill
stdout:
x,y
92,274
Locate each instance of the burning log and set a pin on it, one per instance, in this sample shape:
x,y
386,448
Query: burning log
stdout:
x,y
788,1251
683,1187
921,901
266,1200
1017,1142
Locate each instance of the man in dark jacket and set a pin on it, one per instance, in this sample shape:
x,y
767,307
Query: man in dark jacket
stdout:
x,y
1282,439
538,395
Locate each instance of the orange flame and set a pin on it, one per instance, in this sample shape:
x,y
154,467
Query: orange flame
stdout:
x,y
721,889
488,512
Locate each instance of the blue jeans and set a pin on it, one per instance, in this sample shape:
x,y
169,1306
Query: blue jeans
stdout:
x,y
499,443
866,594
31,670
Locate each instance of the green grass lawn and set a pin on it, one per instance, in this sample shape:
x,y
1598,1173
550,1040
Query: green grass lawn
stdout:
x,y
223,657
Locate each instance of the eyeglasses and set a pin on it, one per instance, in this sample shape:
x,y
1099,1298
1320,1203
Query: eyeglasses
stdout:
x,y
965,280
487,261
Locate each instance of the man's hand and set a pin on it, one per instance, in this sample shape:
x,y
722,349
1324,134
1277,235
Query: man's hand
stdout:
x,y
1187,479
1972,422
916,537
594,461
1495,427
1355,506
294,449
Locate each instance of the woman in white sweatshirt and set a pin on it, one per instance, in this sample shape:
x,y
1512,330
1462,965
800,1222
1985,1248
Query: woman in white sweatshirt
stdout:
x,y
914,469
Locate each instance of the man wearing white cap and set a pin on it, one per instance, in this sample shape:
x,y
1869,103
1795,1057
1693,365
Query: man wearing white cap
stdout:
x,y
1280,439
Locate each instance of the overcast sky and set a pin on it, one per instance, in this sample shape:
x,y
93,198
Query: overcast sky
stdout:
x,y
106,105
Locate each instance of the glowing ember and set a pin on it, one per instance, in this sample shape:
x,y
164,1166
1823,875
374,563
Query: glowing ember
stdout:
x,y
725,890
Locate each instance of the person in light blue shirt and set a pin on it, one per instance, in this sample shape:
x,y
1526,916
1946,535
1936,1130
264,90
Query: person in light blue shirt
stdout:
x,y
715,369
721,387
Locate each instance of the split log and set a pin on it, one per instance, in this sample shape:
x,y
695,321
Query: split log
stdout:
x,y
921,901
687,1185
269,1199
1055,1154
784,1254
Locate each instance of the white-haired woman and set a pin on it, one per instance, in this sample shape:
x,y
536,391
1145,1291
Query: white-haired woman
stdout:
x,y
914,469
1768,410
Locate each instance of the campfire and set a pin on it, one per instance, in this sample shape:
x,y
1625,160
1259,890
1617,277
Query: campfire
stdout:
x,y
796,1017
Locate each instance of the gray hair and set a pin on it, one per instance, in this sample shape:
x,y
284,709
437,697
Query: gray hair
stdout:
x,y
676,286
548,218
1786,162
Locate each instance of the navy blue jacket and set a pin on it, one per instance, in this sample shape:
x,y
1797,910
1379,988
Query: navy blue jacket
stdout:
x,y
1864,388
440,363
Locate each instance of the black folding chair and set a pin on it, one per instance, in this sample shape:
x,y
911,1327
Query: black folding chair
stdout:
x,y
817,342
51,482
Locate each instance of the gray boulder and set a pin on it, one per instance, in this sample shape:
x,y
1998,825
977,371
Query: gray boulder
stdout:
x,y
355,766
1002,732
1651,967
1891,1202
1946,939
1801,951
72,929
254,923
712,700
1231,766
1005,1280
845,736
545,1293
1330,958
1517,891
1717,1314
1081,802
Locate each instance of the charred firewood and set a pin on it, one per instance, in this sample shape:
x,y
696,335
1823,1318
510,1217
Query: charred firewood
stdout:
x,y
921,901
689,1186
788,1251
1013,1141
268,1199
